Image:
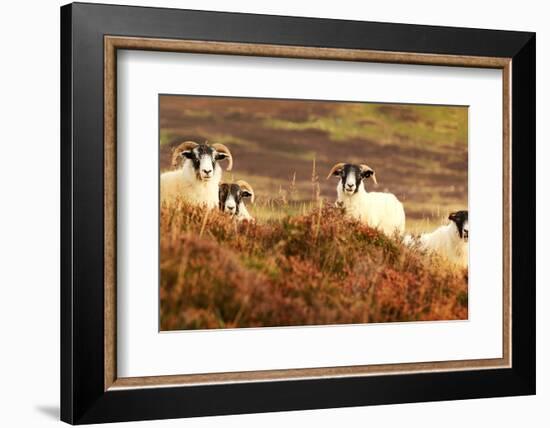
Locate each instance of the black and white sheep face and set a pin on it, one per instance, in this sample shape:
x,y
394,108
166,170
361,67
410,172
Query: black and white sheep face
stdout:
x,y
231,197
460,219
352,176
204,159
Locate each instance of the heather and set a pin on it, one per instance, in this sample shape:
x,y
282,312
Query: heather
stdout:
x,y
316,267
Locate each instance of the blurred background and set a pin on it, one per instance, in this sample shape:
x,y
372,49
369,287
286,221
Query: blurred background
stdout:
x,y
285,149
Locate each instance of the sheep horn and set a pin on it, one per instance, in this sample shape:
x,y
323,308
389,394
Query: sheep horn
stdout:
x,y
368,168
183,147
335,168
244,185
223,149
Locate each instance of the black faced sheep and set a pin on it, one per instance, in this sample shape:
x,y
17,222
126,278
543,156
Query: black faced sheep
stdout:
x,y
197,174
232,198
377,209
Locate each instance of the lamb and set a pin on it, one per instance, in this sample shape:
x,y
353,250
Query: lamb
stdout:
x,y
197,173
451,240
377,209
232,198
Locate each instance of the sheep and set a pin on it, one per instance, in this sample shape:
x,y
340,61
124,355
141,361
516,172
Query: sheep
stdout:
x,y
197,173
232,196
377,209
450,240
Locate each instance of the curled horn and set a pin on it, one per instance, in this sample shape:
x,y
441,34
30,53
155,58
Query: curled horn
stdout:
x,y
223,149
368,168
183,147
244,185
335,168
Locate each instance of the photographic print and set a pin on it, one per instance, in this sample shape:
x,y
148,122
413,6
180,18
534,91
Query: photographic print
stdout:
x,y
283,212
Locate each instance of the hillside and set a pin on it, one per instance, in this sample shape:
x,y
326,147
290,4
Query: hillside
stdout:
x,y
286,148
317,268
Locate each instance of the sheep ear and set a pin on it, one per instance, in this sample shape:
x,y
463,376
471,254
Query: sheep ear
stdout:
x,y
246,190
247,194
180,152
367,171
453,217
336,169
459,217
225,153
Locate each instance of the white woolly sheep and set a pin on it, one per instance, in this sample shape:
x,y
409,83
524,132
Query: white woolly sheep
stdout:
x,y
451,240
377,209
197,174
232,196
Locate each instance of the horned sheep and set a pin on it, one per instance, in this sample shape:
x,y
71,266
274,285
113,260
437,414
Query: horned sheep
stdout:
x,y
197,173
377,209
232,198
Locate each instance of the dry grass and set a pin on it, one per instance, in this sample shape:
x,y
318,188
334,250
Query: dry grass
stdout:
x,y
314,267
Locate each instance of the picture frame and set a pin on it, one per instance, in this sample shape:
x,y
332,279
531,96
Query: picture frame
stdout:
x,y
91,391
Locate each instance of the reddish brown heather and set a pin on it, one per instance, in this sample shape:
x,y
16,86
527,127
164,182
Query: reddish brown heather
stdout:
x,y
318,268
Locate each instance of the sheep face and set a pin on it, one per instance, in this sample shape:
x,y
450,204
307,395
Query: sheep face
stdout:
x,y
204,159
351,176
460,219
231,197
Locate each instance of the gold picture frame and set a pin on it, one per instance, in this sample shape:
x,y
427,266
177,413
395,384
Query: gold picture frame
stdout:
x,y
114,43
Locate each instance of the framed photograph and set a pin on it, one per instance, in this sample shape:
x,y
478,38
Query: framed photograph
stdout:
x,y
266,213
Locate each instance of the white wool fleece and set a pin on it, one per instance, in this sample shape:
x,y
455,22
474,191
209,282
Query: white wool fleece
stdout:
x,y
446,241
377,209
184,183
